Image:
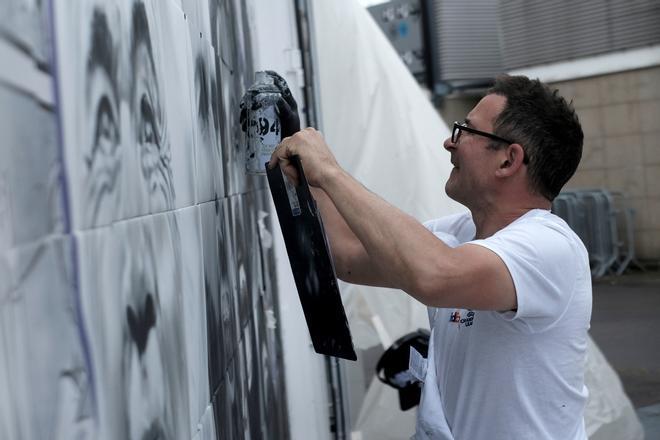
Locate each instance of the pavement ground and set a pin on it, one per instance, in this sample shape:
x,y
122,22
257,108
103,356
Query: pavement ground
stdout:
x,y
625,324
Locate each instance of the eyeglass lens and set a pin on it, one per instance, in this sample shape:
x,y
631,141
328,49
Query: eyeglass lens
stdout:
x,y
455,133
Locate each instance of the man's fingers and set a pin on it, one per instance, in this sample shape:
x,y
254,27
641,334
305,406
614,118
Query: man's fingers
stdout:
x,y
281,154
290,171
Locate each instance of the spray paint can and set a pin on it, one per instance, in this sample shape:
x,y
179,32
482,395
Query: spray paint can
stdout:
x,y
264,132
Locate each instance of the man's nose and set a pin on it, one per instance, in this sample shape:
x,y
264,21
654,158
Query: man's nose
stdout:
x,y
448,144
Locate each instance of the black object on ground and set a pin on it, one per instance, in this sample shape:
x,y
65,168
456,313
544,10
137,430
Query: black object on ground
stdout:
x,y
395,361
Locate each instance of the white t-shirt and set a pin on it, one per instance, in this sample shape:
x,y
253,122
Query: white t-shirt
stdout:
x,y
513,375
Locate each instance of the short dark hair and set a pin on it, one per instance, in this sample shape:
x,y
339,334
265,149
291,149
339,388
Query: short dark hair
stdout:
x,y
547,128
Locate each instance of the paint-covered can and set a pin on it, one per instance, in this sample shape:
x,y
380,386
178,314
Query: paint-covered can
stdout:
x,y
263,124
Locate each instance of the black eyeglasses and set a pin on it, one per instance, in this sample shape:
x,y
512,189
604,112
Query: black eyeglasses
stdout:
x,y
456,133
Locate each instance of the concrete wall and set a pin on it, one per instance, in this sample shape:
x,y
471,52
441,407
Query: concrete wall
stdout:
x,y
620,115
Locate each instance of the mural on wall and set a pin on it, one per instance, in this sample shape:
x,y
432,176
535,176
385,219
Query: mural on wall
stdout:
x,y
130,289
137,293
134,153
43,372
22,23
210,179
30,171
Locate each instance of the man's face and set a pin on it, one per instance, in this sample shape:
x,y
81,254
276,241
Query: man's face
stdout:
x,y
472,178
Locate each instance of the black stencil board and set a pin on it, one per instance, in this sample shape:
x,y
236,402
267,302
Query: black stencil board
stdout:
x,y
312,268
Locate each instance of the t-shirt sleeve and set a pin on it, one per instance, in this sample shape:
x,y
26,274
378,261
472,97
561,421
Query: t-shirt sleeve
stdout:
x,y
459,226
543,262
448,239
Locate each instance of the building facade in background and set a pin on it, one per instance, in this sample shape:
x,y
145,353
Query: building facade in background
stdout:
x,y
604,56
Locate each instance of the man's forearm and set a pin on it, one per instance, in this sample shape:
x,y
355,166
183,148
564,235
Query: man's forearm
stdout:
x,y
339,234
395,242
351,260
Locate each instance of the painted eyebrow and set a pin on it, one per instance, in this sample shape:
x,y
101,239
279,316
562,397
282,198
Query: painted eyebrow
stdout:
x,y
100,47
140,33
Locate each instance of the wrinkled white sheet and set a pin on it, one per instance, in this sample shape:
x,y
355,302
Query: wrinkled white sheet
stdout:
x,y
609,415
384,131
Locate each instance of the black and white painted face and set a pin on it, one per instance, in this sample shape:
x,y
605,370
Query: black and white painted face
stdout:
x,y
128,131
223,30
103,154
140,134
145,382
151,142
224,40
209,166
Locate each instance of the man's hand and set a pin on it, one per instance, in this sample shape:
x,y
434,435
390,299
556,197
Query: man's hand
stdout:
x,y
314,153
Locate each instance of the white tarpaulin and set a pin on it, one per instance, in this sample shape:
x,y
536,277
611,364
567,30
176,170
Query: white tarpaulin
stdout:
x,y
384,131
609,415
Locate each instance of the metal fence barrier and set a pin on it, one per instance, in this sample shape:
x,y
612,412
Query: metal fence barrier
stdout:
x,y
605,223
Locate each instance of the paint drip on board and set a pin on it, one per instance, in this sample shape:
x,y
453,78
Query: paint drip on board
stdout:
x,y
263,124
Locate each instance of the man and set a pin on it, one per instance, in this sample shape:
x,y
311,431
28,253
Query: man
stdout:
x,y
509,293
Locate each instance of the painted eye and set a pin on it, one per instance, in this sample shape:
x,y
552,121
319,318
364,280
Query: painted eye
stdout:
x,y
147,125
106,133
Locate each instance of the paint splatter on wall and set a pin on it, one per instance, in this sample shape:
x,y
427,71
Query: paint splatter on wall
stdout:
x,y
136,264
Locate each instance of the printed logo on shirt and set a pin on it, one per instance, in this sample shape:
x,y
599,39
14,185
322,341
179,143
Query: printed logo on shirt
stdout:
x,y
467,321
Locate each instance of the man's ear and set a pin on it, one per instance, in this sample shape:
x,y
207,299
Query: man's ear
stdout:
x,y
511,161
